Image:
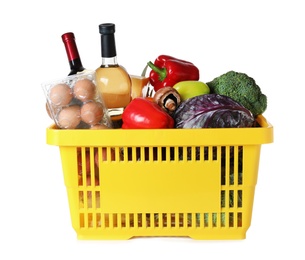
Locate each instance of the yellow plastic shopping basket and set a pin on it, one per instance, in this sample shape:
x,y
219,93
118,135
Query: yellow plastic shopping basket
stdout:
x,y
164,182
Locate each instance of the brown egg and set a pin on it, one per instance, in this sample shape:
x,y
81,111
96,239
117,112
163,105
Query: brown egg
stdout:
x,y
84,90
99,126
60,95
103,157
49,111
92,112
69,117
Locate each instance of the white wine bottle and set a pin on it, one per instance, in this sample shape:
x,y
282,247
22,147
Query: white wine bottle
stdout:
x,y
112,80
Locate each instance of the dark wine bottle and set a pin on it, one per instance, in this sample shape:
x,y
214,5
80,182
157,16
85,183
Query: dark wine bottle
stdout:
x,y
72,53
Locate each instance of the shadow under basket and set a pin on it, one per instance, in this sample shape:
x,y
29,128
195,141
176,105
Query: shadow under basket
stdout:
x,y
197,183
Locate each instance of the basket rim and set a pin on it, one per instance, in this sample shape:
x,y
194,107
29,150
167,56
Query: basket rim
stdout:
x,y
162,137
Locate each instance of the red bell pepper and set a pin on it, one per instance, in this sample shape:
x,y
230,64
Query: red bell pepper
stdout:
x,y
167,71
142,113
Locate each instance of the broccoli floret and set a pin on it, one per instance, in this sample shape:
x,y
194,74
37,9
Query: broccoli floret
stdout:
x,y
241,88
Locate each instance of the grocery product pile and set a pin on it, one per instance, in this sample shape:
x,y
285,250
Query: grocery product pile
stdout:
x,y
171,97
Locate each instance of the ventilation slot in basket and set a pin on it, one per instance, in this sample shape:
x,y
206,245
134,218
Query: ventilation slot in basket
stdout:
x,y
160,220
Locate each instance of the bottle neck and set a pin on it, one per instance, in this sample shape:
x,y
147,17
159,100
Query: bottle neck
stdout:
x,y
109,62
72,53
108,49
76,66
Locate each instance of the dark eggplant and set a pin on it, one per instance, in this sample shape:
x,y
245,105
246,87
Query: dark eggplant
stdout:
x,y
212,111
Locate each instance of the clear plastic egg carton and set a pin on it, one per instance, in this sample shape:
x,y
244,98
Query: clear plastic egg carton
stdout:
x,y
74,102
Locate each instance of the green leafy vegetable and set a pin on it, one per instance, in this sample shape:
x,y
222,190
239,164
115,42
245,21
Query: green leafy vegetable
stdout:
x,y
242,88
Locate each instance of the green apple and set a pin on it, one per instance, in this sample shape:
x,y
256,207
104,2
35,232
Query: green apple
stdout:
x,y
191,88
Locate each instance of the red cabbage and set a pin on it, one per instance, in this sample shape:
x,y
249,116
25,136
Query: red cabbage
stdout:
x,y
212,111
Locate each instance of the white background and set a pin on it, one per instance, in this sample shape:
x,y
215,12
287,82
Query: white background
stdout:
x,y
264,39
